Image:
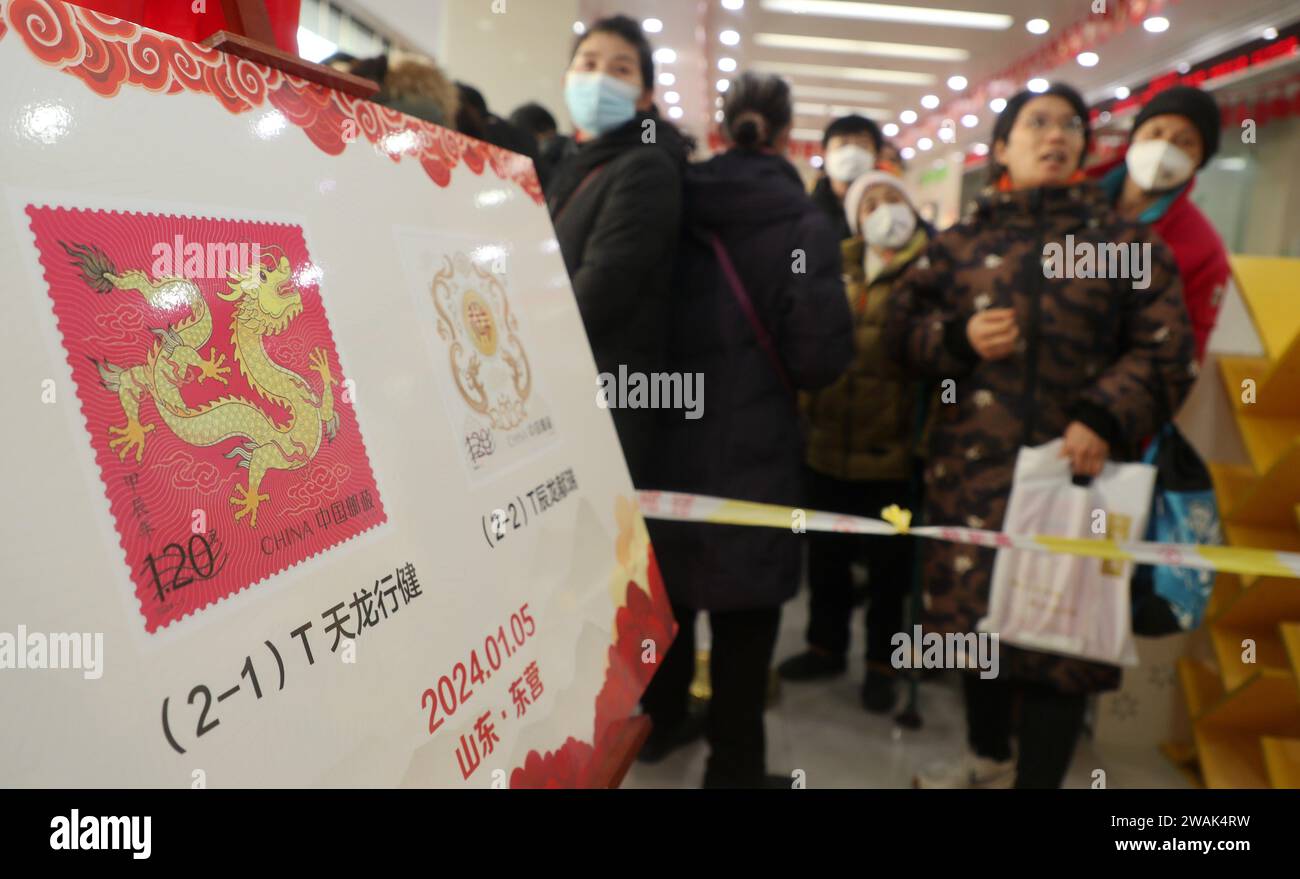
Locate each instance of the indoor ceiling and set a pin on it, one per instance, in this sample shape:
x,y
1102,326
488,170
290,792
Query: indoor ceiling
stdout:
x,y
839,61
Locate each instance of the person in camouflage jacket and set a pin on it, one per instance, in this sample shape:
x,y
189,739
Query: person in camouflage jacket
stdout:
x,y
1102,362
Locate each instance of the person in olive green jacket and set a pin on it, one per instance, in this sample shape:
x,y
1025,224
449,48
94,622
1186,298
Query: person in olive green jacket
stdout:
x,y
861,443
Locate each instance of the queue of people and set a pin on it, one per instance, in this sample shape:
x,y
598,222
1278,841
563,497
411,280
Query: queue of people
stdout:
x,y
824,323
821,378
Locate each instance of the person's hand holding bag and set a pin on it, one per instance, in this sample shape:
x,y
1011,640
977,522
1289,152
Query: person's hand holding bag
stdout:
x,y
1086,450
993,333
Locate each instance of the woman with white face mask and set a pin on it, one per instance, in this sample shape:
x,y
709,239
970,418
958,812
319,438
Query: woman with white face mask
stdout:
x,y
1174,135
860,448
616,201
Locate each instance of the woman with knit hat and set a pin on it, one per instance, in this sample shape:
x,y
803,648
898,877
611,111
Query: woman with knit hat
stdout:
x,y
1174,136
1099,362
860,448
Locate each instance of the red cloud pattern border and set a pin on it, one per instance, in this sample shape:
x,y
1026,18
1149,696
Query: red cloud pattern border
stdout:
x,y
106,53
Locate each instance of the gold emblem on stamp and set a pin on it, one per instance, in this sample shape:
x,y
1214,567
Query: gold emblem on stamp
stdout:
x,y
488,364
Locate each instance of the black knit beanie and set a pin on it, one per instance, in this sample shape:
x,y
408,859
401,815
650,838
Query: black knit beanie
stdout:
x,y
1196,105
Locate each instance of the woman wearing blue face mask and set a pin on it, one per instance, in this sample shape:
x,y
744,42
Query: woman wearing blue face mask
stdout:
x,y
616,201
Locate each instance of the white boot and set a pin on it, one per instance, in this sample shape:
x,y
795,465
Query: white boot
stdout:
x,y
971,771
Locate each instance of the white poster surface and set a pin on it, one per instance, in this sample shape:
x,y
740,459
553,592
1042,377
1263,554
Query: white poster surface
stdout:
x,y
307,484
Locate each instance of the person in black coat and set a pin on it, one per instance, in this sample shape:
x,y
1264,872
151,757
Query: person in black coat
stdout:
x,y
784,327
850,147
616,203
475,119
551,145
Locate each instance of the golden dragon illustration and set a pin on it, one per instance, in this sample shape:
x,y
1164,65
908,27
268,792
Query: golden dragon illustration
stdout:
x,y
265,305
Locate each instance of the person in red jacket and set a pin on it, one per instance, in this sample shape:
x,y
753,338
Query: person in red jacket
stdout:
x,y
196,20
1173,137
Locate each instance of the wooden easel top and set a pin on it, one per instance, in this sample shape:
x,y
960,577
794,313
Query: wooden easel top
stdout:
x,y
249,35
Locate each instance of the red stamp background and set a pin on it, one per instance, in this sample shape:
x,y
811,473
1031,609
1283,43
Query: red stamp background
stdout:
x,y
175,478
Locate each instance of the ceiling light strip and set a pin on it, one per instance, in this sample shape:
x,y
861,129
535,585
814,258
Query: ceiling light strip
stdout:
x,y
855,74
830,93
992,21
860,47
806,109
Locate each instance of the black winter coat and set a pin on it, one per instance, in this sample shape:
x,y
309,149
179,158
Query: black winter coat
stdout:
x,y
616,202
826,199
747,444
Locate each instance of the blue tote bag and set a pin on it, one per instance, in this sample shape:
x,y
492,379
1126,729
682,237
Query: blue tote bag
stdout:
x,y
1183,510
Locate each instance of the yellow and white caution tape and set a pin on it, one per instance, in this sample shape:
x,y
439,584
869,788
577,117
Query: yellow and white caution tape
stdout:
x,y
721,511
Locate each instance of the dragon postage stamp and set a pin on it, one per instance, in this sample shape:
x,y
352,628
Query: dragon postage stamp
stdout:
x,y
218,412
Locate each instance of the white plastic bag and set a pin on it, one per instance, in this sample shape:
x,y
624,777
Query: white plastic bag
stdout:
x,y
1064,604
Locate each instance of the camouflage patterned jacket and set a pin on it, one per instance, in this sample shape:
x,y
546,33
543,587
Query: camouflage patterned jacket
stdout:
x,y
1113,353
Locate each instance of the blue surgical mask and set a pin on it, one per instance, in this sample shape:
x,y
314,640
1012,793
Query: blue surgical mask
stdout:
x,y
599,103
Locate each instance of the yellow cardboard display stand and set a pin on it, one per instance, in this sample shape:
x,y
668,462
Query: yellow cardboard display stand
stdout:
x,y
1245,707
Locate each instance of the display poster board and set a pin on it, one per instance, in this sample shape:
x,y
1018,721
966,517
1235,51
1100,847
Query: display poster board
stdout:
x,y
306,481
